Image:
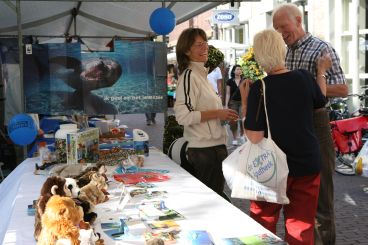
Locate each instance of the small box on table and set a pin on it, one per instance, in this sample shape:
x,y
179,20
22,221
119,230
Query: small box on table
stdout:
x,y
82,146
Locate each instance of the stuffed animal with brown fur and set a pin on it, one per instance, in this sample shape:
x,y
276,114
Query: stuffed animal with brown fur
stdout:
x,y
60,221
85,177
52,186
92,194
100,181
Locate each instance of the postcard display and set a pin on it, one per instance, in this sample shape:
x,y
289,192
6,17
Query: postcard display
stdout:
x,y
61,80
143,207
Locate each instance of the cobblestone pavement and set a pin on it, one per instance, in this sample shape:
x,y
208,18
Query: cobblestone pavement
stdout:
x,y
351,192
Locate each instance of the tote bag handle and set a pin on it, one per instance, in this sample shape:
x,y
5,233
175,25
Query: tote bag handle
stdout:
x,y
264,101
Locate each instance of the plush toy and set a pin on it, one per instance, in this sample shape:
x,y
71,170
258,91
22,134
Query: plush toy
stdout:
x,y
88,236
71,184
85,177
88,216
52,186
155,241
60,221
67,170
92,194
100,181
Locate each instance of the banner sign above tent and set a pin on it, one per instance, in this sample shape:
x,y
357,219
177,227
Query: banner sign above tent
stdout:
x,y
228,16
59,79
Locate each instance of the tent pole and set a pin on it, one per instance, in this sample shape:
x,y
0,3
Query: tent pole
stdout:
x,y
164,40
20,47
21,155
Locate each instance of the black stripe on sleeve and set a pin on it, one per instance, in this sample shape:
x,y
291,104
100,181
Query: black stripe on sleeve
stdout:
x,y
187,89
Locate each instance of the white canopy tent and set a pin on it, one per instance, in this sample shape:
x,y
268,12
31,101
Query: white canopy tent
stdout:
x,y
96,22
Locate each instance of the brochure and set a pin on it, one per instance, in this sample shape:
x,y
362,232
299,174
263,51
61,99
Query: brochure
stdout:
x,y
135,178
195,237
260,239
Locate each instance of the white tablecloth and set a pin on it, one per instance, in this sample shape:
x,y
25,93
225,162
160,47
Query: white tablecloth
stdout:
x,y
203,209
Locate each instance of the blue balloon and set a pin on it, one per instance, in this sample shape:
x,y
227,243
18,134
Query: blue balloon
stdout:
x,y
22,129
162,21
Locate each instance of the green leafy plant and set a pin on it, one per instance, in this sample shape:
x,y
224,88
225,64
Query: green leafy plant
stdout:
x,y
215,57
172,131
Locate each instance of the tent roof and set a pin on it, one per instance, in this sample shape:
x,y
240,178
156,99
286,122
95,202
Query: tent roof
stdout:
x,y
96,21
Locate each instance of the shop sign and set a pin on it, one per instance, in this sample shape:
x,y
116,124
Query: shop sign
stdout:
x,y
229,16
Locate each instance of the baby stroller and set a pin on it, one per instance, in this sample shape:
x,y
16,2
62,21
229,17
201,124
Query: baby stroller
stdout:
x,y
347,135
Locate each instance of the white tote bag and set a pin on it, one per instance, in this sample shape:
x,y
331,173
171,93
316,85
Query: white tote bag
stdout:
x,y
260,172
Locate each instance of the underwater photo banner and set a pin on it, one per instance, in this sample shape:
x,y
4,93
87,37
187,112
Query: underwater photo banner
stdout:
x,y
59,79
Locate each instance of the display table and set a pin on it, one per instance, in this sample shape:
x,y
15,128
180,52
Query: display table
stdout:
x,y
203,209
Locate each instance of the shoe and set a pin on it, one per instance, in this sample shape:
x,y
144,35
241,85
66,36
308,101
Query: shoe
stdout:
x,y
154,121
149,123
235,142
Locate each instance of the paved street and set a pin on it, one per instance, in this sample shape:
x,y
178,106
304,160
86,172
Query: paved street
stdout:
x,y
351,192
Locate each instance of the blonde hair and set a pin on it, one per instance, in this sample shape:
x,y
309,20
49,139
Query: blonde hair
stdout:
x,y
291,9
269,49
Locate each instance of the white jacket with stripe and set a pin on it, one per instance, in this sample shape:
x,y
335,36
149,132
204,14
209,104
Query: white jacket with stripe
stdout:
x,y
194,94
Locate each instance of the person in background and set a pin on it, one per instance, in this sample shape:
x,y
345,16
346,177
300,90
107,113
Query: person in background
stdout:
x,y
150,118
172,78
200,110
215,78
233,99
303,51
215,58
291,98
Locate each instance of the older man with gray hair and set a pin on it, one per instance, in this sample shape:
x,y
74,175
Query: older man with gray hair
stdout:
x,y
303,51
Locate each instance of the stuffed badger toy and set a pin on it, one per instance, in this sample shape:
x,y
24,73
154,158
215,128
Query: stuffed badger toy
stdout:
x,y
88,216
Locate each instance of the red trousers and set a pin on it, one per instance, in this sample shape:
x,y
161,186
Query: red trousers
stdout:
x,y
299,214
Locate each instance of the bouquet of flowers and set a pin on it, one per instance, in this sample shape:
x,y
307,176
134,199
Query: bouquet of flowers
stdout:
x,y
251,69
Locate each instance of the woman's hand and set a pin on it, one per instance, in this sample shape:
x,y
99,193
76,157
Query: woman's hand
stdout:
x,y
228,115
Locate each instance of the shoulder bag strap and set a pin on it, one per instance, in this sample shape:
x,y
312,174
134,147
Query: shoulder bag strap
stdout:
x,y
264,101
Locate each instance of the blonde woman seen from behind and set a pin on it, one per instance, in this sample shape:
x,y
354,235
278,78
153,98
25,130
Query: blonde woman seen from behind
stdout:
x,y
291,98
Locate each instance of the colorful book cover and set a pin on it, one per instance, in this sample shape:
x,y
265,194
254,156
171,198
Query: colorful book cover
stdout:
x,y
138,192
158,211
260,239
82,147
31,211
135,178
167,237
166,225
196,237
155,194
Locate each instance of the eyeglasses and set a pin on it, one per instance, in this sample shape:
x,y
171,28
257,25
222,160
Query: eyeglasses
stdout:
x,y
200,44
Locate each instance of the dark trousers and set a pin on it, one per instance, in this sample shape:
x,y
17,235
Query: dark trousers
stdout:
x,y
150,116
206,165
325,224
